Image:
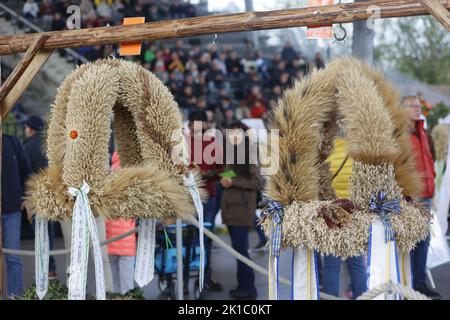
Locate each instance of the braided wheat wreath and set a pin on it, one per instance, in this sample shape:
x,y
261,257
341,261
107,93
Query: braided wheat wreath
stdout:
x,y
378,143
147,128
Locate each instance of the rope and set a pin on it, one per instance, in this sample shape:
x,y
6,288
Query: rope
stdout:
x,y
392,288
208,233
249,262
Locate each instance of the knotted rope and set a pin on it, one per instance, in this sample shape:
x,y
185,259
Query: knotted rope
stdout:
x,y
392,288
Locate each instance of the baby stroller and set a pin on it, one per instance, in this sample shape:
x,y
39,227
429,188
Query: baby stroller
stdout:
x,y
166,259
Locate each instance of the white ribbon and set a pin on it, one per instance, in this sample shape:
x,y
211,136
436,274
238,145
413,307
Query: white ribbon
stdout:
x,y
304,275
145,256
83,226
383,263
41,247
189,182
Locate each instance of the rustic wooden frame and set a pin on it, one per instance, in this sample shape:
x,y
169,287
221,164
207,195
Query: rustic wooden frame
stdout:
x,y
248,21
22,75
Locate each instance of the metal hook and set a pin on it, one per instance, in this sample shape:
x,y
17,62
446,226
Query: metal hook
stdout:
x,y
342,38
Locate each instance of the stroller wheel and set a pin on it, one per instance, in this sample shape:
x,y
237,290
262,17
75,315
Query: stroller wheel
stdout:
x,y
197,294
162,284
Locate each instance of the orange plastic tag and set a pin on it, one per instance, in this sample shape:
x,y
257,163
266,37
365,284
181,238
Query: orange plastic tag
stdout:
x,y
131,48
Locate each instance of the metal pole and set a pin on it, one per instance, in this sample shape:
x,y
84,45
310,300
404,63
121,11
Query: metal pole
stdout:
x,y
1,221
362,46
179,260
253,35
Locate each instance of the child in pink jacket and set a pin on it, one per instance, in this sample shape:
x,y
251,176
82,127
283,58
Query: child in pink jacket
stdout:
x,y
121,253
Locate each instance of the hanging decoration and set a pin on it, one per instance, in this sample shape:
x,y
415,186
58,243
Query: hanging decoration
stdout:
x,y
380,214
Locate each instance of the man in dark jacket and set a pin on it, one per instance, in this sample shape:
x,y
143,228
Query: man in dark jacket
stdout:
x,y
38,161
422,148
15,171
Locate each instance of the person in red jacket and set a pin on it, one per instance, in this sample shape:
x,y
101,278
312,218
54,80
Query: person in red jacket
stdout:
x,y
258,110
122,253
422,148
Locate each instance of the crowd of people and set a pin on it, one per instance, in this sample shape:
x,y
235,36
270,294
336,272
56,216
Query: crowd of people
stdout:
x,y
218,80
226,84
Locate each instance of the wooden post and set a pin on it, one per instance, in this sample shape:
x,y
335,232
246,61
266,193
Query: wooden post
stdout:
x,y
248,21
438,11
22,66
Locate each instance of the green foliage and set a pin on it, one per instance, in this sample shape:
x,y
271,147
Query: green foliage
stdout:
x,y
418,46
439,111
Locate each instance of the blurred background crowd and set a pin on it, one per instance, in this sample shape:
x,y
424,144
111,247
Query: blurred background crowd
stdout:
x,y
227,83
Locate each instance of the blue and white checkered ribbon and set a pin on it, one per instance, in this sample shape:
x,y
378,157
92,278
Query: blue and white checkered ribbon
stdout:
x,y
274,209
383,208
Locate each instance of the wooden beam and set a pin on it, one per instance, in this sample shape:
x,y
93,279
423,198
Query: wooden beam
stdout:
x,y
438,11
24,81
248,21
18,71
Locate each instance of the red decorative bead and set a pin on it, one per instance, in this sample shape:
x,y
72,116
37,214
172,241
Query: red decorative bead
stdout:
x,y
73,134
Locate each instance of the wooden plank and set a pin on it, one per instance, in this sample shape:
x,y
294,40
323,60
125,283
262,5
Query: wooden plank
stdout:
x,y
248,21
22,66
437,9
24,81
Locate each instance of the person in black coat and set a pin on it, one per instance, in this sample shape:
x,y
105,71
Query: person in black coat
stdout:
x,y
34,127
15,171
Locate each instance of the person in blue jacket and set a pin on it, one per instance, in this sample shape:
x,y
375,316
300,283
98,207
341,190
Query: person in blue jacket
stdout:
x,y
15,171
